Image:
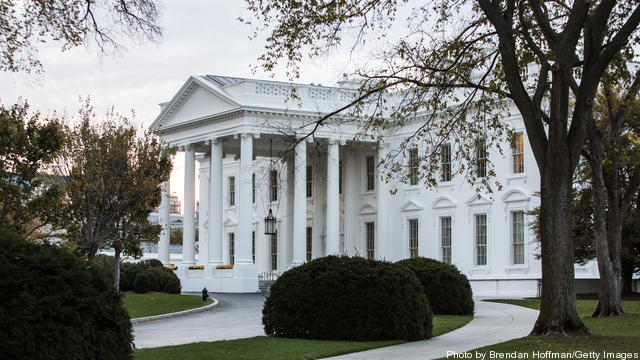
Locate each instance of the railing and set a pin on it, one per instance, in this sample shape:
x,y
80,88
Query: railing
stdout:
x,y
268,275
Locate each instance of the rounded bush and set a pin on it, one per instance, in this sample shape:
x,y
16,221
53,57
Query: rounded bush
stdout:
x,y
54,304
343,298
173,285
447,289
141,284
153,280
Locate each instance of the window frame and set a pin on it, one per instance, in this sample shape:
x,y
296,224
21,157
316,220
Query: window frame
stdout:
x,y
446,161
446,250
370,166
481,249
413,164
231,246
517,155
231,191
413,228
370,239
273,185
520,244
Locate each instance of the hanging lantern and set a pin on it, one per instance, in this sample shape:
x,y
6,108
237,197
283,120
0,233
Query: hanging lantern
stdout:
x,y
270,224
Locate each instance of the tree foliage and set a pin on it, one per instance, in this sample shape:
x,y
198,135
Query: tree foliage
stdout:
x,y
112,177
480,61
28,196
24,25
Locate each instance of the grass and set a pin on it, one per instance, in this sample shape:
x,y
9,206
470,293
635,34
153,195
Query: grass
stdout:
x,y
618,335
142,305
263,347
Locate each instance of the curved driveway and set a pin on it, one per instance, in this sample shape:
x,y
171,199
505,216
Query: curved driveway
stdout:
x,y
239,316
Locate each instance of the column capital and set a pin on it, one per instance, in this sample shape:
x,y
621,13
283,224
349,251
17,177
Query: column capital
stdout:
x,y
334,141
213,141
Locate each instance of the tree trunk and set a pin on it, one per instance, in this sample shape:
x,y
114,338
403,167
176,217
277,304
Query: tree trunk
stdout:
x,y
116,267
558,309
607,234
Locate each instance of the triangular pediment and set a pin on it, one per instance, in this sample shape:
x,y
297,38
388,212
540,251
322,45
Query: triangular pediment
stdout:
x,y
411,205
477,200
197,99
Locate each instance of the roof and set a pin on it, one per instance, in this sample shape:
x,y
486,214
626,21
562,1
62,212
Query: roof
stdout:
x,y
223,80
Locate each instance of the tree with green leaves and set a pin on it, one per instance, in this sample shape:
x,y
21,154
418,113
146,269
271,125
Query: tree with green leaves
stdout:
x,y
28,196
112,176
26,24
461,61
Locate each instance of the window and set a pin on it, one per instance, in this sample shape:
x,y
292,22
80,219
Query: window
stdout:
x,y
445,153
309,242
232,248
413,238
274,252
413,166
253,188
370,239
517,237
273,185
481,239
445,239
371,173
232,190
309,181
253,246
340,177
481,158
517,153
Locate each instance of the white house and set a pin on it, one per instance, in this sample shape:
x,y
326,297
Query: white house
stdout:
x,y
327,194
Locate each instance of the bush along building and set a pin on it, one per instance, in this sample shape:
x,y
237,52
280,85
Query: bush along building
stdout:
x,y
246,144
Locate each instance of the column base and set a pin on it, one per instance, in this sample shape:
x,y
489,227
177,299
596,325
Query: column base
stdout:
x,y
240,279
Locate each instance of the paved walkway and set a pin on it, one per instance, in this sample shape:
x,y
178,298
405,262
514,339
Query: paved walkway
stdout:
x,y
239,316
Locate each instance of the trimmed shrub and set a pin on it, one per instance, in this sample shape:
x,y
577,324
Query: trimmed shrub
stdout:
x,y
141,284
53,304
173,285
153,280
447,289
351,299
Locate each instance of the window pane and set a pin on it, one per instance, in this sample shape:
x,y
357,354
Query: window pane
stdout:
x,y
518,154
445,239
481,157
274,252
232,191
232,250
370,239
518,237
413,167
309,242
413,238
309,181
481,239
445,153
253,246
273,185
371,173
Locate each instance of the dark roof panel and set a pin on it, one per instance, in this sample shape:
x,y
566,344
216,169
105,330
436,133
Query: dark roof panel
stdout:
x,y
223,80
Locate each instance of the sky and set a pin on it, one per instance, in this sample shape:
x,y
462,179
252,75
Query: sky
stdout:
x,y
199,38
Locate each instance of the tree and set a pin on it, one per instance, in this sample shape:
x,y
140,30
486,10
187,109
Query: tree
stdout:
x,y
477,63
615,178
112,178
25,24
27,146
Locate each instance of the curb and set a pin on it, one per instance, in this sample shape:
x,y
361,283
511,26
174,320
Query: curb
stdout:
x,y
215,304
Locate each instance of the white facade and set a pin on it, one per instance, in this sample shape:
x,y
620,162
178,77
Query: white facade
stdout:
x,y
327,193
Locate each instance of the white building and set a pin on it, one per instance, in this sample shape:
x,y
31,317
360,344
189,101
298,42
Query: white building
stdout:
x,y
328,196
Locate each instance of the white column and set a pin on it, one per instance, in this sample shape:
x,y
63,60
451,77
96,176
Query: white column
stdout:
x,y
383,208
333,199
189,223
215,206
165,221
299,204
351,182
203,224
245,204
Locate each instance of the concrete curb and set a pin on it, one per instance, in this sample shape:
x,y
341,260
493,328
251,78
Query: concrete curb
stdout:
x,y
215,304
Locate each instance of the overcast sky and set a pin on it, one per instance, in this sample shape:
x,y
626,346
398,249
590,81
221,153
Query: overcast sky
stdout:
x,y
200,38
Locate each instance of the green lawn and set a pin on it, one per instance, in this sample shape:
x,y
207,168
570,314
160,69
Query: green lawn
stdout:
x,y
619,335
278,348
142,305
